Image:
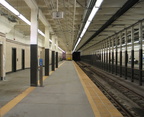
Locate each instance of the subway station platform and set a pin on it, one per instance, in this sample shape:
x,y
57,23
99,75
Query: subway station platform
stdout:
x,y
67,92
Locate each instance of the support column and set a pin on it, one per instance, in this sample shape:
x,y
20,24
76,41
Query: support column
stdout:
x,y
53,53
47,37
112,56
56,53
34,48
140,53
104,56
107,54
56,59
101,56
116,55
121,55
91,58
53,60
126,54
99,61
132,55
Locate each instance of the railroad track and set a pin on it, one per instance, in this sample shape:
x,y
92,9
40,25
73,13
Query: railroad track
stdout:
x,y
135,97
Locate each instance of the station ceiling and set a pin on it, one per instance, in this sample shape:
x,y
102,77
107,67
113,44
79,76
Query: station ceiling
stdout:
x,y
113,16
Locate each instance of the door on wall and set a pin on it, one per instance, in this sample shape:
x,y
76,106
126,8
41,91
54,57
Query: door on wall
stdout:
x,y
23,59
14,60
1,61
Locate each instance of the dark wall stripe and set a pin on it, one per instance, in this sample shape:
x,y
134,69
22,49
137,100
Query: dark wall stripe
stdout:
x,y
34,65
53,60
56,59
46,62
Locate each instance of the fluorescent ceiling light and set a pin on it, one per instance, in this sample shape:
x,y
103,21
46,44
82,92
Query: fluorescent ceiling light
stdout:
x,y
93,12
78,41
13,10
136,42
77,44
24,19
136,46
87,25
50,40
83,32
61,49
9,7
98,3
40,32
90,18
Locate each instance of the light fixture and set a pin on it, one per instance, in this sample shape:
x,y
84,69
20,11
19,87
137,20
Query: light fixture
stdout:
x,y
40,32
50,40
129,43
13,10
93,12
83,32
98,3
9,7
61,49
90,18
87,25
77,43
24,19
136,42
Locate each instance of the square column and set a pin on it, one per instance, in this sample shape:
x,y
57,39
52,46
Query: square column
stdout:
x,y
126,54
53,53
53,60
56,53
109,55
116,53
112,56
120,55
132,55
140,53
47,36
34,48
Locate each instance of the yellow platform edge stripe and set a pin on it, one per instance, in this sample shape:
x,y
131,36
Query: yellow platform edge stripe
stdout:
x,y
15,101
6,108
93,91
91,101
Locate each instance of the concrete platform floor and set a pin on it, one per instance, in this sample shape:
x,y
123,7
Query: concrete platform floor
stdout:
x,y
61,96
14,84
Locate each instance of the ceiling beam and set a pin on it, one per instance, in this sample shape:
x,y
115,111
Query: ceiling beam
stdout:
x,y
33,5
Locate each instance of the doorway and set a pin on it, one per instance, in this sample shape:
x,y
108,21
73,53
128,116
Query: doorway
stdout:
x,y
23,59
14,59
